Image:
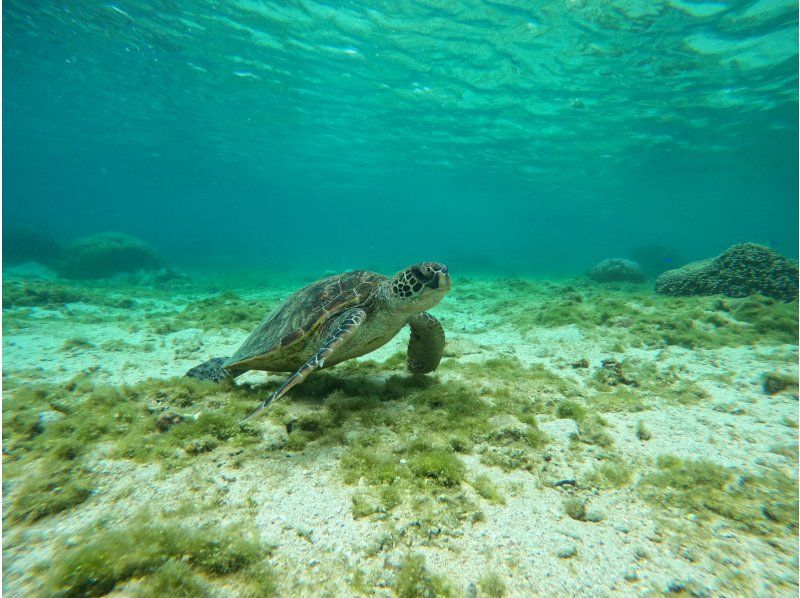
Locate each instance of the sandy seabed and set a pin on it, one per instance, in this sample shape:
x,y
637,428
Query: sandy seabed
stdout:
x,y
636,536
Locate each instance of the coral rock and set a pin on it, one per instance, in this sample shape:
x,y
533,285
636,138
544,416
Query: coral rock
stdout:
x,y
617,270
105,254
742,270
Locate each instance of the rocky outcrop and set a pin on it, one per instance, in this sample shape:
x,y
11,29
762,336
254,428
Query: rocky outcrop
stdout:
x,y
106,254
742,270
617,270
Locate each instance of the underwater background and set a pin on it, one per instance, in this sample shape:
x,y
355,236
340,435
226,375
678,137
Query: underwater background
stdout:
x,y
613,185
493,136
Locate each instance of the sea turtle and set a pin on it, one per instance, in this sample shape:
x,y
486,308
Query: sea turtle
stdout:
x,y
339,318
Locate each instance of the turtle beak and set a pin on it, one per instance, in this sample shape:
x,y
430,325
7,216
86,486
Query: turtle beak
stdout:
x,y
441,281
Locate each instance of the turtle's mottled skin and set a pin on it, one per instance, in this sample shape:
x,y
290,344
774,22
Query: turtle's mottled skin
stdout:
x,y
339,318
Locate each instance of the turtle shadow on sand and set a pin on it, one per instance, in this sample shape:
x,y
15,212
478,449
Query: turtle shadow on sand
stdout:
x,y
354,391
350,384
349,390
330,407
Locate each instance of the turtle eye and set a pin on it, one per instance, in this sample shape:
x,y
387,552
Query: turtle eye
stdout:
x,y
421,272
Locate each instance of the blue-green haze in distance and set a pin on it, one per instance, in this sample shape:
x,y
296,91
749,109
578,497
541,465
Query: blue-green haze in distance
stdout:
x,y
535,137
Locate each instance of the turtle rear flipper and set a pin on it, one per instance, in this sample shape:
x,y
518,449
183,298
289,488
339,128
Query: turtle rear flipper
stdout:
x,y
213,371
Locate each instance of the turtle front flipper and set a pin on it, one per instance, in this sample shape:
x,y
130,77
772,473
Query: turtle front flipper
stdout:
x,y
426,345
344,327
213,371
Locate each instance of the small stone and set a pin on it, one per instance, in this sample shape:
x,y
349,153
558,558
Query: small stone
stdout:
x,y
566,482
656,537
631,575
305,533
594,516
575,509
567,552
689,555
204,444
677,585
640,553
642,433
167,420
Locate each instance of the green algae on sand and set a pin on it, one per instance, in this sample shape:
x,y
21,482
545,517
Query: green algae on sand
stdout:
x,y
413,579
402,434
765,503
641,319
52,431
165,555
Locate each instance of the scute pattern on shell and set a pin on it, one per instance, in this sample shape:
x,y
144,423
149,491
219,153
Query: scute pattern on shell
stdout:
x,y
305,311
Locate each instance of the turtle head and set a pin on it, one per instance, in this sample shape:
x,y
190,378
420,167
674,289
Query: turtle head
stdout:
x,y
420,286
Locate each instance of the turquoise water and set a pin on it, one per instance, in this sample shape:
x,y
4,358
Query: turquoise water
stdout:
x,y
174,170
513,136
